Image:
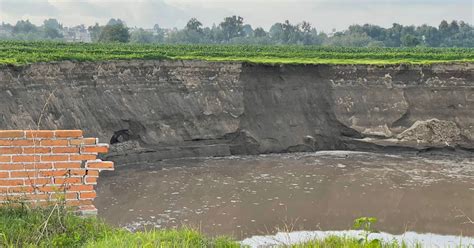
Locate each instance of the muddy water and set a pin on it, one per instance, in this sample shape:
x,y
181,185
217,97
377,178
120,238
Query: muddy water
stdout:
x,y
255,195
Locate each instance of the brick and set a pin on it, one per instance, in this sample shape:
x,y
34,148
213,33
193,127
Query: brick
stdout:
x,y
39,203
17,174
54,143
36,150
67,165
68,133
38,196
62,195
87,195
26,166
54,173
68,180
12,167
95,149
11,182
90,180
12,134
54,158
38,166
55,188
17,189
100,165
81,188
82,157
75,203
80,172
14,198
93,173
17,142
46,165
65,150
37,181
85,141
11,150
87,208
26,158
39,134
5,158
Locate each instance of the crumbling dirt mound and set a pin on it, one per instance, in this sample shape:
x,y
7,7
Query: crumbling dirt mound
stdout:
x,y
432,131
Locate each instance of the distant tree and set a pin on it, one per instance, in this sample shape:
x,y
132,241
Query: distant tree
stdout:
x,y
52,29
233,30
247,30
453,27
192,33
276,32
114,33
376,43
393,35
53,24
284,33
309,35
215,34
113,21
141,36
232,27
409,40
430,36
94,32
24,27
194,25
350,40
443,27
259,32
159,34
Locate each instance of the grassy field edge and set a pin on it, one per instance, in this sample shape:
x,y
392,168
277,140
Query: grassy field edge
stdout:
x,y
23,53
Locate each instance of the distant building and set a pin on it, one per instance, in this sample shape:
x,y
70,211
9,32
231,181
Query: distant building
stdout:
x,y
77,34
167,31
5,31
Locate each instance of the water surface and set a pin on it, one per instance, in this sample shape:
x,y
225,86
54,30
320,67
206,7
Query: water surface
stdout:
x,y
260,195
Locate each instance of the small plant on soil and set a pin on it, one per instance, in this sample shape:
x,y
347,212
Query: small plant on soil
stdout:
x,y
366,224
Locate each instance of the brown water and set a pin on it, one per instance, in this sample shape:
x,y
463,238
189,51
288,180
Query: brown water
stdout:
x,y
254,195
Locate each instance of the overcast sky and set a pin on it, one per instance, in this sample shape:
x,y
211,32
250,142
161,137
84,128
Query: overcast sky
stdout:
x,y
323,14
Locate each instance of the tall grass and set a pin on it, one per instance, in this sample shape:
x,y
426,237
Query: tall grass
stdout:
x,y
162,238
56,226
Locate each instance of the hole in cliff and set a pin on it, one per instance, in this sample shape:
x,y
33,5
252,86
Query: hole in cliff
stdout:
x,y
120,136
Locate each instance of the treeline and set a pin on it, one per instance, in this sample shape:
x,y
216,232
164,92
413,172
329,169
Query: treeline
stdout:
x,y
233,30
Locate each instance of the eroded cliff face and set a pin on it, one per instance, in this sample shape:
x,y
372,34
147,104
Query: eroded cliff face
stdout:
x,y
164,109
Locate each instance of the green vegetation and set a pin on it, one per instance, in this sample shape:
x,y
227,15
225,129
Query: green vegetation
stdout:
x,y
366,224
347,242
234,30
49,227
18,52
163,238
21,226
56,227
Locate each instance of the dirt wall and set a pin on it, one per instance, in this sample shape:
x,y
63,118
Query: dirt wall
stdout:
x,y
163,109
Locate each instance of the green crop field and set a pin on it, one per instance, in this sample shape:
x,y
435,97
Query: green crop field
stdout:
x,y
18,53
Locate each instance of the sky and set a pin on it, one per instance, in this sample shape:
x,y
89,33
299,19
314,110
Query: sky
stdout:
x,y
325,15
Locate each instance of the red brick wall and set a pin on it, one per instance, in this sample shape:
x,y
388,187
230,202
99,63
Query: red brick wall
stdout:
x,y
43,166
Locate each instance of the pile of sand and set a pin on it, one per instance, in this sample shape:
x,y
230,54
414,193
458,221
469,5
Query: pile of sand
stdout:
x,y
432,131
